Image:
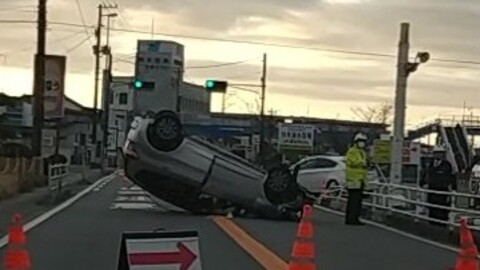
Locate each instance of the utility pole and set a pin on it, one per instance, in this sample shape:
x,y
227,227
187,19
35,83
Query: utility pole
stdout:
x,y
403,67
107,79
97,52
262,111
39,77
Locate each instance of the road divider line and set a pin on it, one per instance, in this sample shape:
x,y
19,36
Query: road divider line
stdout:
x,y
52,212
259,252
396,231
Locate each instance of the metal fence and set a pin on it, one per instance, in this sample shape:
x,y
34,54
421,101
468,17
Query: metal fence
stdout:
x,y
414,202
56,174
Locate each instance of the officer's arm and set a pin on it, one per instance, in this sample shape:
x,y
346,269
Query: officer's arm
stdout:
x,y
355,161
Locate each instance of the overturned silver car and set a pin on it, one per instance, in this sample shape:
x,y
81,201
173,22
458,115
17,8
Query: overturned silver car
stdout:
x,y
182,169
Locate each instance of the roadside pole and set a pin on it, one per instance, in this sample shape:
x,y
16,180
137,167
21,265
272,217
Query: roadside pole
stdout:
x,y
400,105
39,79
262,111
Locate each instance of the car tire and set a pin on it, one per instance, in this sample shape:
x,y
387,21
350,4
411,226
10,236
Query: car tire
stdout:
x,y
165,133
332,183
280,186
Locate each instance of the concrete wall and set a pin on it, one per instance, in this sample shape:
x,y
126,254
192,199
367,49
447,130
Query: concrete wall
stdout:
x,y
20,175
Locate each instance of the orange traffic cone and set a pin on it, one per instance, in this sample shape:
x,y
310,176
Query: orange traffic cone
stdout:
x,y
16,257
303,252
467,258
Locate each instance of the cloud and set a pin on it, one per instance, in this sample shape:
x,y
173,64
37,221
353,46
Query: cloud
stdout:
x,y
445,28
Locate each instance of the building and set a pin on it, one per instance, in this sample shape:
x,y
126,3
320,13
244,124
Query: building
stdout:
x,y
120,115
159,66
73,130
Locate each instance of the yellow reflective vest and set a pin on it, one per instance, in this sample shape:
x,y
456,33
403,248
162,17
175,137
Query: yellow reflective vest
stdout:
x,y
356,174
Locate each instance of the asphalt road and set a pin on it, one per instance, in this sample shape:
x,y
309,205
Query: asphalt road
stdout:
x,y
87,236
340,247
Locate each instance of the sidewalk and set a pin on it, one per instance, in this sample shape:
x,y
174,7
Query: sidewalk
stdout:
x,y
34,203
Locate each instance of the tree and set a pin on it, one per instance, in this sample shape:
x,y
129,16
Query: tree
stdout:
x,y
380,113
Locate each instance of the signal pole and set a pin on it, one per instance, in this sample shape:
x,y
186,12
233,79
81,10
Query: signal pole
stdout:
x,y
262,110
39,77
97,51
404,69
400,104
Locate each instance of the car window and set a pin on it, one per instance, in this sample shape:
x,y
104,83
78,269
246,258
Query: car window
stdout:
x,y
309,164
318,163
322,163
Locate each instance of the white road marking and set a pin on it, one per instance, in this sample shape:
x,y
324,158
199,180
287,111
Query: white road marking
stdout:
x,y
49,214
393,230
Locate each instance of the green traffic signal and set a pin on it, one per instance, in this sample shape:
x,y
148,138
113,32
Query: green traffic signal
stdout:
x,y
209,84
216,86
138,84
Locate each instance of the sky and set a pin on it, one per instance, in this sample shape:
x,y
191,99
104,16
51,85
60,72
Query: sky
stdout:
x,y
313,81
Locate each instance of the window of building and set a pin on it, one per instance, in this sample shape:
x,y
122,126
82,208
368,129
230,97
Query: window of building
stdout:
x,y
157,60
123,99
166,61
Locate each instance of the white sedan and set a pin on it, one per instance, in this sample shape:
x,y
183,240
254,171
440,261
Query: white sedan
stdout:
x,y
318,173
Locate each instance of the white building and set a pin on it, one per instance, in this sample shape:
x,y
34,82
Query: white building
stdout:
x,y
120,115
160,65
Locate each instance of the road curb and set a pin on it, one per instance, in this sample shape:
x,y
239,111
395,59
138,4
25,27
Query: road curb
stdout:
x,y
52,212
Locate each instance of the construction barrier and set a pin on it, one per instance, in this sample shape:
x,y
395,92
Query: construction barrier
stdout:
x,y
303,251
16,257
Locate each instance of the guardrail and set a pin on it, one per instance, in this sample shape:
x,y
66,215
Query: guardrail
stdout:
x,y
56,173
415,198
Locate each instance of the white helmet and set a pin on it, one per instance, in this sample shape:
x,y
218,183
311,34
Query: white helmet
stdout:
x,y
360,137
439,148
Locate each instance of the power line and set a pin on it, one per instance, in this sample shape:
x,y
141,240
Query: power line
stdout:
x,y
17,21
270,44
33,47
77,45
82,18
222,65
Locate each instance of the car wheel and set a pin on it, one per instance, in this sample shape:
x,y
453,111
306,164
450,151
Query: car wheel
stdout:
x,y
280,186
333,185
165,133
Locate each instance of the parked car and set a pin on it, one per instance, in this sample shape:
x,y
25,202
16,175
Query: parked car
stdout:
x,y
316,173
181,169
321,172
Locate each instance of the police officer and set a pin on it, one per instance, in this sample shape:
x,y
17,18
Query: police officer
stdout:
x,y
356,176
439,177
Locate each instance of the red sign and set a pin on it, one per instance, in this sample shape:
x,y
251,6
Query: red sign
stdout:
x,y
184,256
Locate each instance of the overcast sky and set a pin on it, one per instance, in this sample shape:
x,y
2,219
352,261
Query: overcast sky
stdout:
x,y
300,81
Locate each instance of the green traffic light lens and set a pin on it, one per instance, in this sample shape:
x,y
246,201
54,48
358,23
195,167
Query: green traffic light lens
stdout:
x,y
138,84
210,84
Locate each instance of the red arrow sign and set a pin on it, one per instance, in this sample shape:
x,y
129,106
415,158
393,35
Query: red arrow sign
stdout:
x,y
184,256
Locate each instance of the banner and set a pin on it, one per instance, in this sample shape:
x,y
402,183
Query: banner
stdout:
x,y
296,136
54,86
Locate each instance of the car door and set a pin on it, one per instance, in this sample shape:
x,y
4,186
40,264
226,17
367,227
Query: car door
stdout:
x,y
314,173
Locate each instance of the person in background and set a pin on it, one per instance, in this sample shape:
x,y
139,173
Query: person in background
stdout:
x,y
438,176
356,176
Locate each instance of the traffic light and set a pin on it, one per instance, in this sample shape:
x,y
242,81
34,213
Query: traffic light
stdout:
x,y
216,86
137,84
